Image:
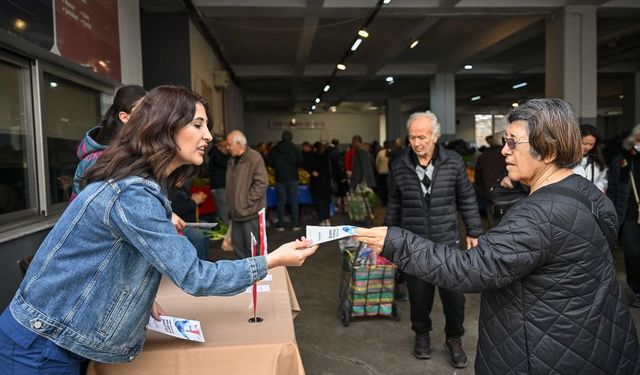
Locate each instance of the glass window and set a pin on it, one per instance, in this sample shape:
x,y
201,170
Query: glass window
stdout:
x,y
68,111
17,181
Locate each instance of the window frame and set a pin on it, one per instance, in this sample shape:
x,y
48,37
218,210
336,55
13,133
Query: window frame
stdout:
x,y
32,177
47,208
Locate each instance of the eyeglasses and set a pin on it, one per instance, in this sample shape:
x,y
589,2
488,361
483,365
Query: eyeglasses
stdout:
x,y
511,142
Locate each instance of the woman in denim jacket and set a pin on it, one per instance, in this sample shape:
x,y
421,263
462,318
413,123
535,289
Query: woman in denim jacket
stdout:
x,y
91,286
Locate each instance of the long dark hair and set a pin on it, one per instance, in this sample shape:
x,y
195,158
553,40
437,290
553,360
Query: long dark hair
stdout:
x,y
124,101
596,152
146,146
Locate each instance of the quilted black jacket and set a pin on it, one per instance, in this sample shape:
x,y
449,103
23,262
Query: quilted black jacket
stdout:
x,y
551,303
451,192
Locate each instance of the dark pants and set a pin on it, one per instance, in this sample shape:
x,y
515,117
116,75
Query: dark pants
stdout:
x,y
241,237
288,191
381,188
630,239
321,204
199,240
421,296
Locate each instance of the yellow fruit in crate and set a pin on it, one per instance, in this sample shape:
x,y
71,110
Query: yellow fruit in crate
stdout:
x,y
303,176
271,173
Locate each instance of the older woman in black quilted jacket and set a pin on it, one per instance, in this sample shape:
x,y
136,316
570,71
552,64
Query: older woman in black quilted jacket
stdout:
x,y
551,303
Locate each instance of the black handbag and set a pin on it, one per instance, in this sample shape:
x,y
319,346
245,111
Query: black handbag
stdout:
x,y
502,198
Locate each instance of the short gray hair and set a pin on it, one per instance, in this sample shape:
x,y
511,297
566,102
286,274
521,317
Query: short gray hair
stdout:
x,y
630,141
237,137
428,114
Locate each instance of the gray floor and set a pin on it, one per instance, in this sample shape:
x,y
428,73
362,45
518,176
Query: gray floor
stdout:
x,y
368,346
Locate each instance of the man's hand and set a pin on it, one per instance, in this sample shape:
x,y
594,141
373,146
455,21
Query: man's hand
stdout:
x,y
199,197
472,242
373,237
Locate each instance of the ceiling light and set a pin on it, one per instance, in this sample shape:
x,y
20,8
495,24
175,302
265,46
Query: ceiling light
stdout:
x,y
389,79
310,112
514,105
476,98
356,44
519,85
341,67
621,96
317,100
468,67
326,88
373,108
333,108
363,33
53,84
313,107
19,24
386,1
415,43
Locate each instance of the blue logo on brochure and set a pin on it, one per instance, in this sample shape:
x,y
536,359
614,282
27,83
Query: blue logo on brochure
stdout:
x,y
348,229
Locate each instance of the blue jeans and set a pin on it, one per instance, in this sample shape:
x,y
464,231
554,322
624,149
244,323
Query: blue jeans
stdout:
x,y
25,352
198,240
288,191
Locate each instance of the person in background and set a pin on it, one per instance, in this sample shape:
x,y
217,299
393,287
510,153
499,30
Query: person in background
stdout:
x,y
428,188
185,204
592,166
98,138
361,165
382,171
307,152
490,166
218,160
247,184
550,299
90,288
397,149
624,192
320,183
285,159
350,153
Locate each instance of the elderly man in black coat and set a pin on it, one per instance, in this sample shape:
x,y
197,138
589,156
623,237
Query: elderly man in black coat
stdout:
x,y
428,186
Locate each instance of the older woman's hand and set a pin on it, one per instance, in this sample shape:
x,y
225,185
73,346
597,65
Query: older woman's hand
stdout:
x,y
373,237
291,254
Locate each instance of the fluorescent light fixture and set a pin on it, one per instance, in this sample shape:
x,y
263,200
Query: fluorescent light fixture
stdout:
x,y
341,67
317,100
514,105
53,84
621,96
356,44
373,108
363,33
333,108
313,107
519,85
414,44
310,112
468,67
389,79
476,98
326,88
386,1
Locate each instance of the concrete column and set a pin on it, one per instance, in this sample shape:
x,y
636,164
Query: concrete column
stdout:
x,y
571,60
393,118
443,103
130,42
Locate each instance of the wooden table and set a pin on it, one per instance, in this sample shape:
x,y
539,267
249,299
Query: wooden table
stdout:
x,y
233,345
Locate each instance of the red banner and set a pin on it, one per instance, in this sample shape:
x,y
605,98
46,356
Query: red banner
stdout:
x,y
87,33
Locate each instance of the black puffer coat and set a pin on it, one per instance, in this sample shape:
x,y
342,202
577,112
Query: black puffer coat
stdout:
x,y
551,303
451,192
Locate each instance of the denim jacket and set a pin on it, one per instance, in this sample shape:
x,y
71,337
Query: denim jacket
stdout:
x,y
92,283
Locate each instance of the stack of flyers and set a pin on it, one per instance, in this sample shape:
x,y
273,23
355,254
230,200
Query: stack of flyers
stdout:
x,y
177,327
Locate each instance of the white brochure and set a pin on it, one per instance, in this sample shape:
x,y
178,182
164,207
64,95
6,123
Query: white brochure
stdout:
x,y
177,327
319,235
